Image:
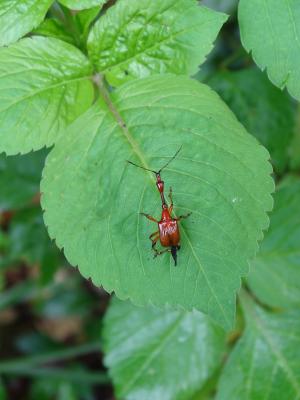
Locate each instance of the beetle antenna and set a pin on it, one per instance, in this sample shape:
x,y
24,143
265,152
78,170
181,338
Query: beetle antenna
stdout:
x,y
171,159
139,166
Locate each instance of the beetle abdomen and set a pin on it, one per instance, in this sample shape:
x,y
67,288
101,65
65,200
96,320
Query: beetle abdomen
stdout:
x,y
169,233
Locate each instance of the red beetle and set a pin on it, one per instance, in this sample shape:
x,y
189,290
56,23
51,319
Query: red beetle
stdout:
x,y
168,229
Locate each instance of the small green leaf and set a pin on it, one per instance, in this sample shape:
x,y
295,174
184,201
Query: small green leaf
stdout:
x,y
92,197
85,18
140,38
82,4
154,354
265,364
53,27
271,32
275,272
44,85
18,17
20,179
270,116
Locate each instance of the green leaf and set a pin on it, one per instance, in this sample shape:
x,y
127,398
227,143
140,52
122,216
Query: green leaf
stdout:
x,y
44,85
20,179
72,27
82,4
18,17
29,240
85,18
275,272
178,37
265,362
92,197
272,34
227,6
270,116
53,27
154,354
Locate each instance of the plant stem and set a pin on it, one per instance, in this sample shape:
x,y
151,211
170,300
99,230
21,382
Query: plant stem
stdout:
x,y
24,363
104,93
63,374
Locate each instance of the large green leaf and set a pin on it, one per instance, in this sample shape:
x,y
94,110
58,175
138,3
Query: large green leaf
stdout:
x,y
270,116
44,85
20,179
265,363
141,37
92,197
82,4
272,33
275,272
18,17
154,354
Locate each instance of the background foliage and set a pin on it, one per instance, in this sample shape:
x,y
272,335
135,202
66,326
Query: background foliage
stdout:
x,y
60,337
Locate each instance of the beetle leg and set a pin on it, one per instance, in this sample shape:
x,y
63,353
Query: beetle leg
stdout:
x,y
171,200
159,253
154,238
154,234
149,217
183,216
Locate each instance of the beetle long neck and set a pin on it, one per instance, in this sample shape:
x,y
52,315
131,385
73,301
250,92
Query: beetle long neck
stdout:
x,y
163,200
160,187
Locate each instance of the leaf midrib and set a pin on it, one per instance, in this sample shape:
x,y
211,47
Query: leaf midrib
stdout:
x,y
121,123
